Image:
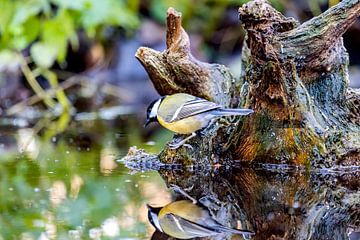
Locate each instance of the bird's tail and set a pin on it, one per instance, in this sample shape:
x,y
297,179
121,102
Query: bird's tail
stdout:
x,y
232,111
244,232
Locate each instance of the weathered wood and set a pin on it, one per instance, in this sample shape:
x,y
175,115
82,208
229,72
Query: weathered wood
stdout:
x,y
295,77
298,86
176,70
276,204
274,201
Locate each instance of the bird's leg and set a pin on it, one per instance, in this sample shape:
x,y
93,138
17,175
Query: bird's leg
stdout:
x,y
182,142
204,131
177,189
227,120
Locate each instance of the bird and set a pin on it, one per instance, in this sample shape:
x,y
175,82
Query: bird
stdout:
x,y
186,114
185,220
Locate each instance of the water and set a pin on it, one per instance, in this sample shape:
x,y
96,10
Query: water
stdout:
x,y
69,184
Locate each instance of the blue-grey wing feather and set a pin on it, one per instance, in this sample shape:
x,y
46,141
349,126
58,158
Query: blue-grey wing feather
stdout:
x,y
192,108
190,228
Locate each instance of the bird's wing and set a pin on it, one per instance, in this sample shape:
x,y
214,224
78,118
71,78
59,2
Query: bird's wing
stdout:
x,y
193,107
190,228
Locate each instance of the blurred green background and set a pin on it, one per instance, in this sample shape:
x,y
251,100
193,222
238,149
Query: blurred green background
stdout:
x,y
72,100
67,56
72,185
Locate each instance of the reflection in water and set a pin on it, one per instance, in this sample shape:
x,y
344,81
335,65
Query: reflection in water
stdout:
x,y
107,161
57,193
27,142
185,219
69,186
278,204
76,184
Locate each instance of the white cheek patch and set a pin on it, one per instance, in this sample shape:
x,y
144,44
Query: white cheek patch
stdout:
x,y
155,108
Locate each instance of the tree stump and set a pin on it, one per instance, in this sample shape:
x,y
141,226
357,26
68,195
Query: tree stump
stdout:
x,y
295,77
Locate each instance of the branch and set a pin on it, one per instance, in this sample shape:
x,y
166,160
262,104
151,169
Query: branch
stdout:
x,y
175,32
321,32
176,70
159,73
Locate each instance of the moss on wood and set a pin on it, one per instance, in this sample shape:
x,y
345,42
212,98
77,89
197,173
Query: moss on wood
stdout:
x,y
295,77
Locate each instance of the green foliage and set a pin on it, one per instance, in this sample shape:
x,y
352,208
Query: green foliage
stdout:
x,y
48,26
53,23
198,15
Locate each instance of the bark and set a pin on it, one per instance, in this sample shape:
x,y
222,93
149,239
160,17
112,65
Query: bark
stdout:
x,y
276,204
295,77
176,70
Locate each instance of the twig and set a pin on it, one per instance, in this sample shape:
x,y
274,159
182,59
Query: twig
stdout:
x,y
37,98
34,84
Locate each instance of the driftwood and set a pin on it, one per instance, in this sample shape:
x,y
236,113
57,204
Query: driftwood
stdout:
x,y
295,77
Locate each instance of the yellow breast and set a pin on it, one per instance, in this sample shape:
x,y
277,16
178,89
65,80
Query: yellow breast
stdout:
x,y
184,209
168,108
183,126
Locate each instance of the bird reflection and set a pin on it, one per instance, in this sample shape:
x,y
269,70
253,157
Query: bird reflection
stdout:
x,y
157,235
186,220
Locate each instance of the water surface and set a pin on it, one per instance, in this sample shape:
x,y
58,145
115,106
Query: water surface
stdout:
x,y
68,183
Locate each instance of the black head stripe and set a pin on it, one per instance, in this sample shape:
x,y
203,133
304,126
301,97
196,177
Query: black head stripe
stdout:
x,y
150,107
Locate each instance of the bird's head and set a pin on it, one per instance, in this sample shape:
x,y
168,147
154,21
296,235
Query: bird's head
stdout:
x,y
151,113
153,215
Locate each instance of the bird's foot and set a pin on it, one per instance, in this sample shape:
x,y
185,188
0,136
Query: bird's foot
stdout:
x,y
176,145
188,146
177,189
227,120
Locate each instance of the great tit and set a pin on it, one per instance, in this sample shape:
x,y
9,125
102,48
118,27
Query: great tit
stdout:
x,y
185,220
185,114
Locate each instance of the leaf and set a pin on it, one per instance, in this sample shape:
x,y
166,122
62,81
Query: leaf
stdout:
x,y
96,12
107,12
70,4
43,54
58,31
25,10
7,9
26,34
9,60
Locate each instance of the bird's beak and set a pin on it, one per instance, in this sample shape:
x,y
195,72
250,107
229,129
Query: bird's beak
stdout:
x,y
147,122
